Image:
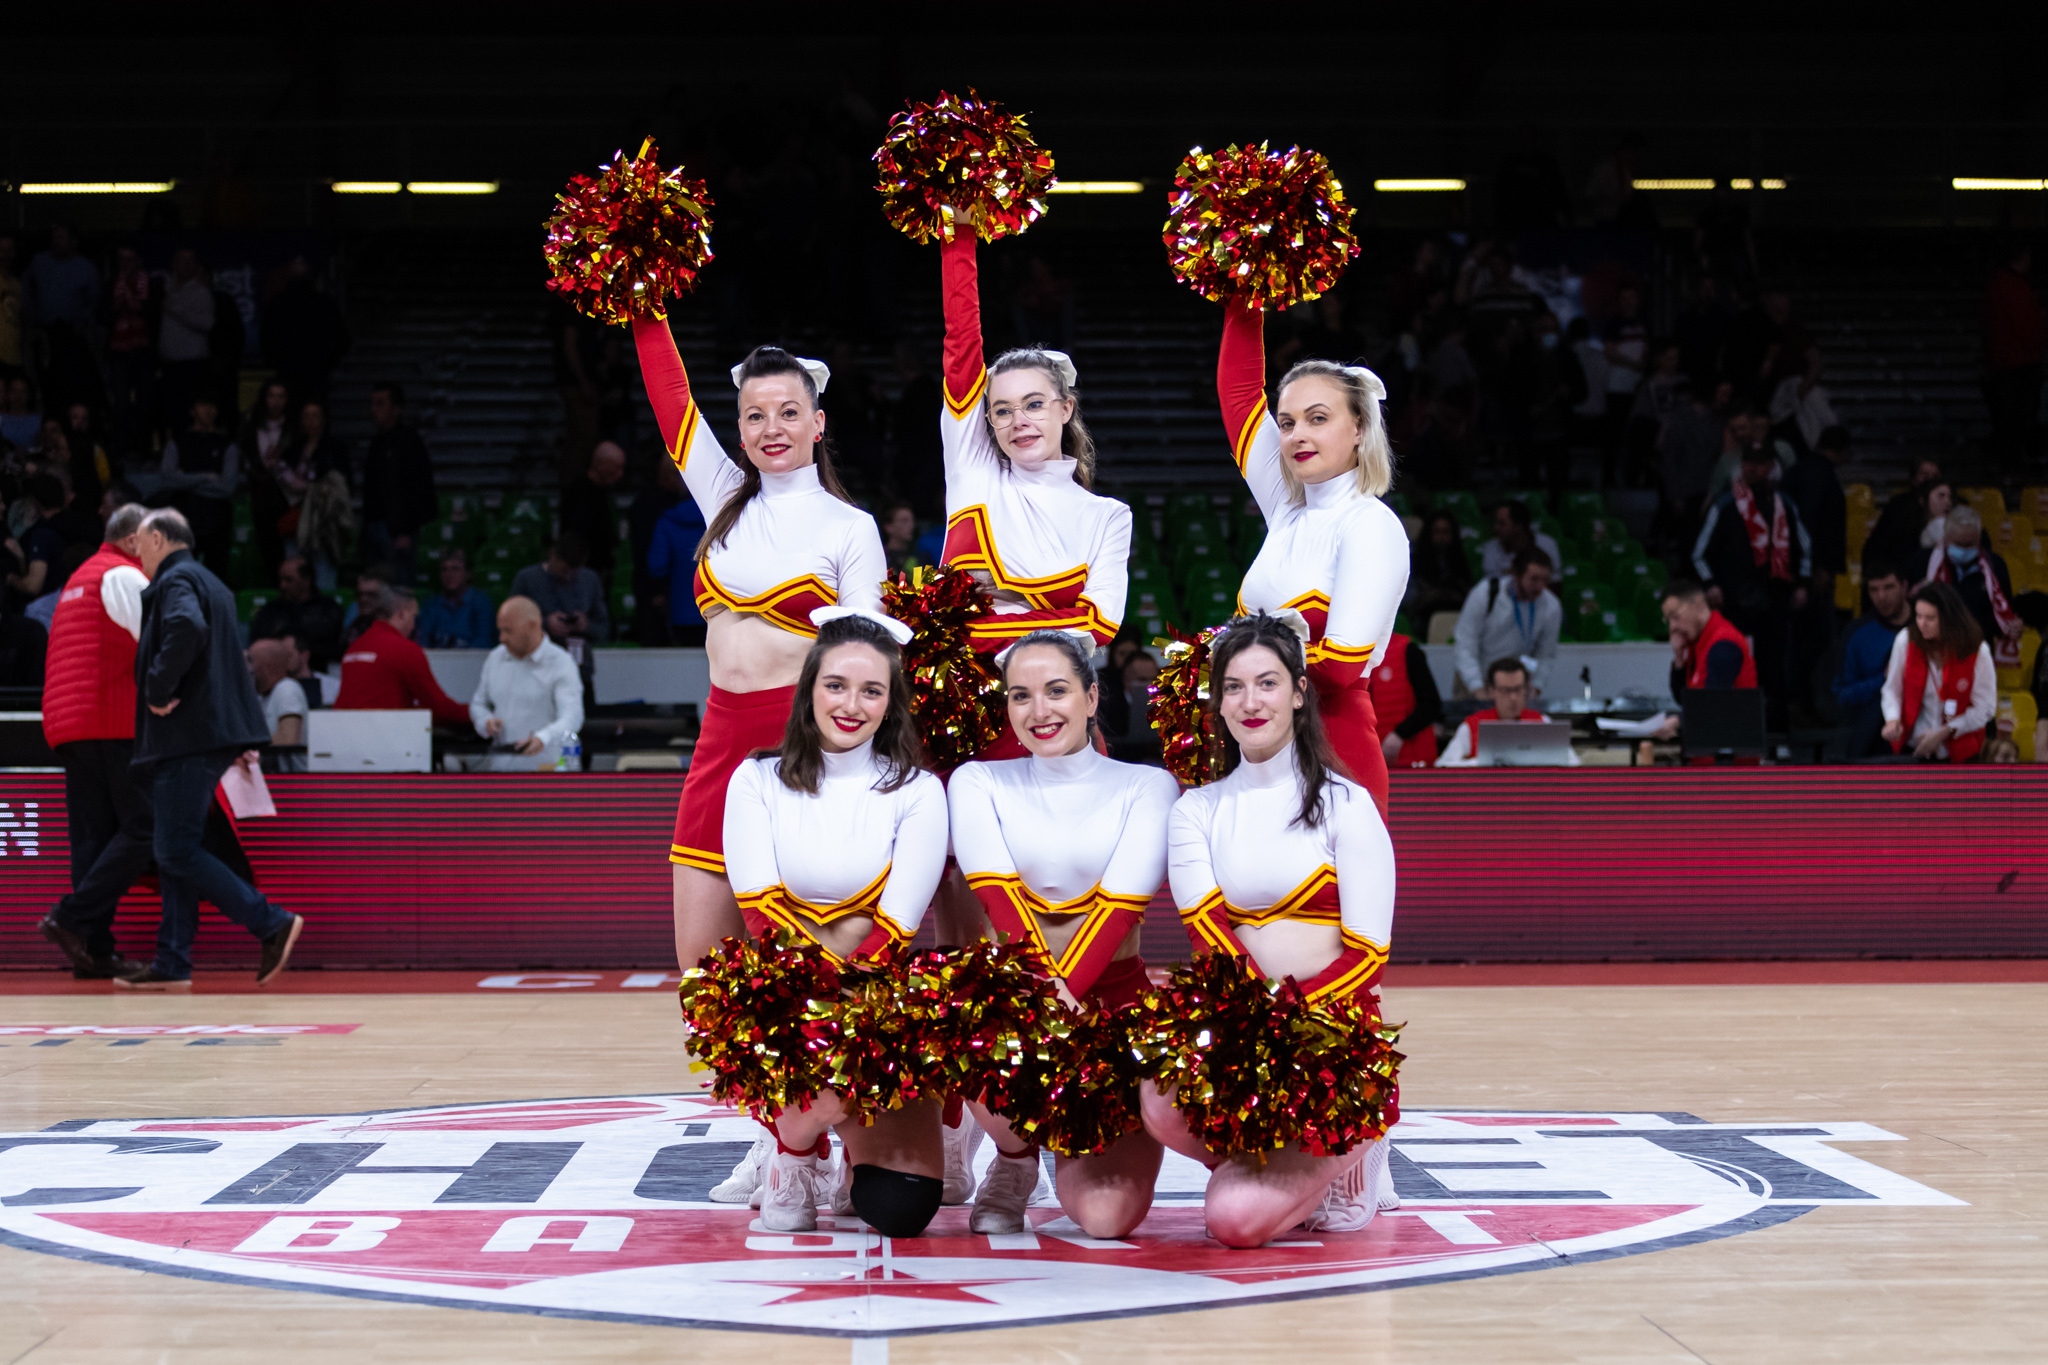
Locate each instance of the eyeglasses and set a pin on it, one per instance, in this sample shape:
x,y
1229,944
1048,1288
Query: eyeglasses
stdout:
x,y
1006,416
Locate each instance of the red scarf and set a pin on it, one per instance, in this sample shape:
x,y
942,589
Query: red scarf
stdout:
x,y
2005,650
1958,681
1768,544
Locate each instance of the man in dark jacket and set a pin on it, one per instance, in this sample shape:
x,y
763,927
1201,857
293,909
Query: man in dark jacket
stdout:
x,y
196,711
1756,560
398,483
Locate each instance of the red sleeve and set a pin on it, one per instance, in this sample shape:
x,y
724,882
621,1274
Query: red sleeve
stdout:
x,y
882,941
1355,972
1004,913
1208,926
421,686
960,287
668,383
1334,675
1094,947
1241,375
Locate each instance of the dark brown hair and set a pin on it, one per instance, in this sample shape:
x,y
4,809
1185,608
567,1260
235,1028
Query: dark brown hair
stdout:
x,y
1079,658
1312,752
760,362
1960,633
896,742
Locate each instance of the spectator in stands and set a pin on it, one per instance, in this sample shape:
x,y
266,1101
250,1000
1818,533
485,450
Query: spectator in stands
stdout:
x,y
1439,575
316,477
398,483
1979,575
11,353
1545,384
304,336
672,562
1507,687
20,422
1512,614
2015,336
1406,705
1707,651
1627,338
1688,444
1941,688
302,611
460,615
131,353
570,597
590,508
1702,326
1657,397
384,670
529,699
1756,560
43,611
201,468
1815,487
898,521
284,700
183,335
61,299
266,435
87,466
1866,658
1895,537
657,497
197,711
1800,410
41,542
370,585
1513,532
301,672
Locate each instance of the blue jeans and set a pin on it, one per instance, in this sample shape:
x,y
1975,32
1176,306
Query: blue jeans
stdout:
x,y
181,790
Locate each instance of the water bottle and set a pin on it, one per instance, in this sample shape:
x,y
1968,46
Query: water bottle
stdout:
x,y
571,760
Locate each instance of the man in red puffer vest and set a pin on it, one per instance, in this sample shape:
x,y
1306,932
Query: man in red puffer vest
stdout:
x,y
89,719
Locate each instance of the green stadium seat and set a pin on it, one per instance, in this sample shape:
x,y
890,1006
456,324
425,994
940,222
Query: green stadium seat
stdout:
x,y
1213,608
1208,576
249,601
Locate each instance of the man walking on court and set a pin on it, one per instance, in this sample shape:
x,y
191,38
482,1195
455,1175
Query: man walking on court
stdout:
x,y
196,710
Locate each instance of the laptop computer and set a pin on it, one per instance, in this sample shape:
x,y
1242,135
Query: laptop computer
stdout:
x,y
1525,743
1722,721
369,741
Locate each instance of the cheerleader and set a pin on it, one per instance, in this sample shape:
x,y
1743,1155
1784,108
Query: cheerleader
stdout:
x,y
783,540
1284,860
1063,849
1333,551
840,837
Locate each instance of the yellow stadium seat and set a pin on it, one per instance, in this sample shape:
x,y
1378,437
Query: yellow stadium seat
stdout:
x,y
2034,503
1989,502
2025,717
1848,592
1859,495
2030,645
2008,530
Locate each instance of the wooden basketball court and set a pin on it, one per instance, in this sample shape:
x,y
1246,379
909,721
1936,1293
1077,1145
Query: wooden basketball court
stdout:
x,y
1947,1058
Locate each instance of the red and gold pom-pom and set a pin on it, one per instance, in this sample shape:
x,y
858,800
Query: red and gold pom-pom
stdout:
x,y
882,1057
1254,1067
987,1013
621,243
961,162
1096,1070
1190,747
956,701
765,1017
1271,228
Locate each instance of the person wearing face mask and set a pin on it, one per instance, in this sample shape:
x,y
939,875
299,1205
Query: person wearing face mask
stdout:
x,y
783,540
837,838
1318,465
1285,861
1063,849
1941,688
1020,511
1978,574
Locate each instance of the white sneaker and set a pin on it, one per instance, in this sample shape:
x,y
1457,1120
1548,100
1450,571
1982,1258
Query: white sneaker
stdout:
x,y
789,1194
743,1186
1380,1164
841,1176
1005,1193
961,1142
1348,1204
1044,1196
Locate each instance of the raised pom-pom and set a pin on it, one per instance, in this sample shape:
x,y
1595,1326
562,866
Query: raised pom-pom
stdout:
x,y
1271,228
1253,1067
1179,709
956,702
961,162
620,243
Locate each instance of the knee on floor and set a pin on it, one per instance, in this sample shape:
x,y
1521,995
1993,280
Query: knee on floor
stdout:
x,y
895,1203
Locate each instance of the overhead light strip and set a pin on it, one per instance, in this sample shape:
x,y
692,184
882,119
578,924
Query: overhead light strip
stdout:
x,y
97,187
451,186
1979,182
1097,187
1671,184
367,187
1437,186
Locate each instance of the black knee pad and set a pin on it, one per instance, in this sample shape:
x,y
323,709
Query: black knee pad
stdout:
x,y
895,1203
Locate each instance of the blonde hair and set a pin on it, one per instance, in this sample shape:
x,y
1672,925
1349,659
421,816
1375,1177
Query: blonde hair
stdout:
x,y
1362,394
1075,442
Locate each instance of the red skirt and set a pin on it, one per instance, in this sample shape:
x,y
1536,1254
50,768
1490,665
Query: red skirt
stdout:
x,y
1348,720
1120,984
736,725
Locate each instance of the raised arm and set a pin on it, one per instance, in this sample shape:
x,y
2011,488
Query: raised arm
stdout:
x,y
1371,580
915,867
707,470
1365,897
963,435
1241,389
1192,875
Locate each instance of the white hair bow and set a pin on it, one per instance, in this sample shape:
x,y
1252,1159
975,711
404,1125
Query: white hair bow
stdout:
x,y
1086,641
898,632
1366,377
1063,365
1292,619
818,370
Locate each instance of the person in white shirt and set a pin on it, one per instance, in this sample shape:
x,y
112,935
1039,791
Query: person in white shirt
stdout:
x,y
1514,531
1512,616
1941,687
284,700
1507,686
1064,848
838,839
529,700
1286,861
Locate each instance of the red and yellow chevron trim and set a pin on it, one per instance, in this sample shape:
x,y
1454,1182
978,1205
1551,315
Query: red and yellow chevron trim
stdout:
x,y
1006,628
680,451
960,407
784,907
1100,908
1307,902
971,544
788,605
1329,651
1241,448
1364,970
702,859
1208,921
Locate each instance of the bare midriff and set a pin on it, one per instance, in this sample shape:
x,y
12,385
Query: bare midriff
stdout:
x,y
750,653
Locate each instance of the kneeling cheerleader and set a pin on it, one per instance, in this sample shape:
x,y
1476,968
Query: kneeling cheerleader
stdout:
x,y
833,846
1270,1064
1063,848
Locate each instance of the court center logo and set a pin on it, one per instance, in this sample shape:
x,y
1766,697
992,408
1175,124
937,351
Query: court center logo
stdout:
x,y
598,1208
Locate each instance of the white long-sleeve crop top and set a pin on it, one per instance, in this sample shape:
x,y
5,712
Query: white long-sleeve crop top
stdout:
x,y
1236,856
852,849
794,548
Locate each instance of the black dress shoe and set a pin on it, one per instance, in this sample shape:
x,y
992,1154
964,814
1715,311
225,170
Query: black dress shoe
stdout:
x,y
71,945
277,950
109,968
152,980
